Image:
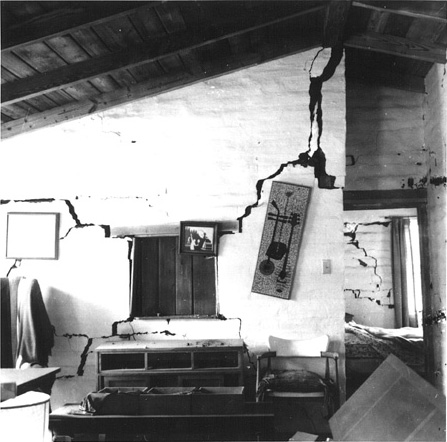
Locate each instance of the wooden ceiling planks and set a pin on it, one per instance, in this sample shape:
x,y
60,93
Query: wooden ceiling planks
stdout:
x,y
391,44
396,28
61,60
378,21
427,9
118,34
36,24
127,56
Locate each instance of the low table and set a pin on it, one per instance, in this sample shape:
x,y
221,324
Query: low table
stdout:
x,y
255,423
30,379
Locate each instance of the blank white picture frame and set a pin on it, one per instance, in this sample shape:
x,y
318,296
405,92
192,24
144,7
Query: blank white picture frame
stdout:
x,y
32,235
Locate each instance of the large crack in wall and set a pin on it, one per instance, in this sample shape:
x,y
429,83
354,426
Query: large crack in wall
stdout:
x,y
318,159
90,340
351,232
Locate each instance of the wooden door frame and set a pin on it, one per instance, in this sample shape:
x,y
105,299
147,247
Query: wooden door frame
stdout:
x,y
400,199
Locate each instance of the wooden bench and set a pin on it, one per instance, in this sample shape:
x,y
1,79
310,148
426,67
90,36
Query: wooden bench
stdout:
x,y
255,423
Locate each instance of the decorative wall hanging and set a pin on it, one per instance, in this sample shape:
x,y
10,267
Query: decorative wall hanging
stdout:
x,y
32,235
198,238
281,238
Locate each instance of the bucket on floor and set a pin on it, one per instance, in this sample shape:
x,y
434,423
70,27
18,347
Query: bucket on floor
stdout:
x,y
25,418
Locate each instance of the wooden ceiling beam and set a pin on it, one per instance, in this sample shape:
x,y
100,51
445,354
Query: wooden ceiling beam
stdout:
x,y
137,55
409,10
67,20
383,199
337,13
152,88
402,47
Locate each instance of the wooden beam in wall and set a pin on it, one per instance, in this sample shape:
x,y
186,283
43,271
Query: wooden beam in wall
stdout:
x,y
137,55
403,47
384,199
408,8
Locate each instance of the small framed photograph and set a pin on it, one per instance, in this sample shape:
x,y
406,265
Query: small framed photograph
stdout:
x,y
198,238
32,235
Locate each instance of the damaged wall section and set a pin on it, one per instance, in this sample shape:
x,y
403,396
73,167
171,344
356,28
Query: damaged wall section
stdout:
x,y
193,153
368,266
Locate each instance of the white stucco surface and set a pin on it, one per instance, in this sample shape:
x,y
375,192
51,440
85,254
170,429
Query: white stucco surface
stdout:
x,y
195,153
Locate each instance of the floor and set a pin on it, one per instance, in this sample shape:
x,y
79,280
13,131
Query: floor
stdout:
x,y
291,417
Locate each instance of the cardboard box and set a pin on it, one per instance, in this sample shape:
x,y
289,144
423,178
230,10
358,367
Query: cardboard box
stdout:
x,y
166,400
393,404
169,400
115,401
218,400
303,437
190,401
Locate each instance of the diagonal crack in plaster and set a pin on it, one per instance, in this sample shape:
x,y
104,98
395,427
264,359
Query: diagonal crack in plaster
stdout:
x,y
78,223
318,159
354,241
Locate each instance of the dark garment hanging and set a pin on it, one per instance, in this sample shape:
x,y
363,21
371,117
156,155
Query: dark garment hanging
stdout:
x,y
8,293
27,333
6,339
35,337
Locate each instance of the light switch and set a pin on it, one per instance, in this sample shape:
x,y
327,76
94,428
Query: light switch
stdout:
x,y
327,266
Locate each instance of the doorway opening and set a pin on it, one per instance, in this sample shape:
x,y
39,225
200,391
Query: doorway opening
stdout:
x,y
386,268
383,268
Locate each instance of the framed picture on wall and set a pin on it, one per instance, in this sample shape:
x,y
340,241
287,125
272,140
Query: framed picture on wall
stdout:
x,y
32,235
198,238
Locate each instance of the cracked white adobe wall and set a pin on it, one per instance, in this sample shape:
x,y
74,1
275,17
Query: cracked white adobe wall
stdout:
x,y
385,146
195,153
369,294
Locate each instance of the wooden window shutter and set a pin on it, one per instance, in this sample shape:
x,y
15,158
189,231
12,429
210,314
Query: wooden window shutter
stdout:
x,y
167,283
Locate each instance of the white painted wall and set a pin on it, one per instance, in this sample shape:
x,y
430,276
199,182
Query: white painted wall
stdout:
x,y
194,153
385,145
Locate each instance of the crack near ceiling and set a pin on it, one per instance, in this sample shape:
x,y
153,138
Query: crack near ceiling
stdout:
x,y
71,210
318,159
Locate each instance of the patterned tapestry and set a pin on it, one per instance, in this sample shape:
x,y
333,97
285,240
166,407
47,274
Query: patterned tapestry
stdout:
x,y
281,237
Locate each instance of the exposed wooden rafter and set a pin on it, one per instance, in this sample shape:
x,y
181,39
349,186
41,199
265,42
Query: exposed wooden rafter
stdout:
x,y
136,55
337,13
152,88
65,21
403,47
439,14
64,60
